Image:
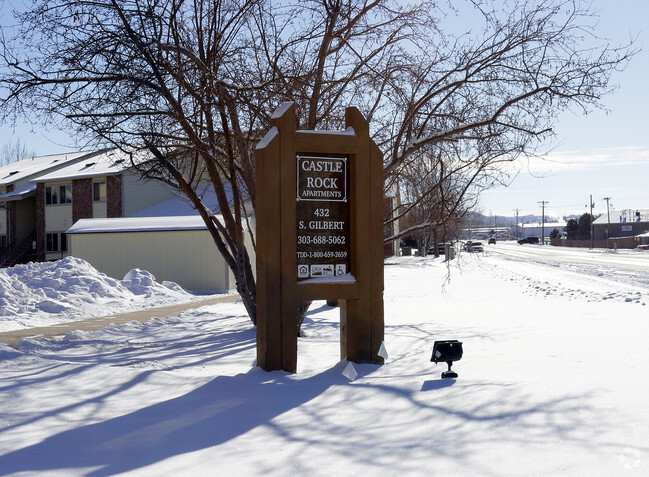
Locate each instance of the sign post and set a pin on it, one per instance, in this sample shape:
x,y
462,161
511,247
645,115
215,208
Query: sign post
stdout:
x,y
319,207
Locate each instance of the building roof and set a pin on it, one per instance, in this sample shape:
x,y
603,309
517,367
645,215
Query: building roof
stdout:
x,y
104,163
27,168
623,216
23,192
180,206
538,225
137,224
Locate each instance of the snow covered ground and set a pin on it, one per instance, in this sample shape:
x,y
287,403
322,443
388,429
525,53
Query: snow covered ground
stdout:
x,y
554,381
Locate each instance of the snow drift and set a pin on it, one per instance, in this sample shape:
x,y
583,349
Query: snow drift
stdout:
x,y
40,294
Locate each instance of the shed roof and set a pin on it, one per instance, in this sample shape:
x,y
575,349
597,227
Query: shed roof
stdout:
x,y
137,224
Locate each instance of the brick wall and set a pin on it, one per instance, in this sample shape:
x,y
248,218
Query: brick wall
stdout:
x,y
114,196
40,221
621,242
81,199
11,222
11,217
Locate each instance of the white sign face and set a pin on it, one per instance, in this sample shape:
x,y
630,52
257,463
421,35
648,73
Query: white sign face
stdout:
x,y
322,179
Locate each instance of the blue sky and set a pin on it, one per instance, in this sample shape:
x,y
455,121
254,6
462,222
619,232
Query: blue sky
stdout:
x,y
603,154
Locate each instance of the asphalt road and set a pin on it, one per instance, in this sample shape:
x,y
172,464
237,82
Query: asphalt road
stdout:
x,y
627,266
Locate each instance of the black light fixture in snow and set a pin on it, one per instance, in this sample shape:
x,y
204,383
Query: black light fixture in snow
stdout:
x,y
447,351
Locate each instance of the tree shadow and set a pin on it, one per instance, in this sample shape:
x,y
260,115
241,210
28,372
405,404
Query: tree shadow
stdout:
x,y
221,410
228,407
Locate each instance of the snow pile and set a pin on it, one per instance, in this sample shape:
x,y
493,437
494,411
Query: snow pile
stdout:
x,y
39,294
139,282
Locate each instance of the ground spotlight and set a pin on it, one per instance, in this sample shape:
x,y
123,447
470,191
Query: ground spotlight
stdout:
x,y
447,351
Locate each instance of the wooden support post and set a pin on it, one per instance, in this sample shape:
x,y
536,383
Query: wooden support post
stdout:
x,y
269,308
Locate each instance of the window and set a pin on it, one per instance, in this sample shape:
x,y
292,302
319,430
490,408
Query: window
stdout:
x,y
52,242
57,242
51,196
58,194
3,242
65,194
99,191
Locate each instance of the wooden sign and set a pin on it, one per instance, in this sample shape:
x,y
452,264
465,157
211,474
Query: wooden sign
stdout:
x,y
319,231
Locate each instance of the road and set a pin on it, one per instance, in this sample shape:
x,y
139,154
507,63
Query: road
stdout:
x,y
626,266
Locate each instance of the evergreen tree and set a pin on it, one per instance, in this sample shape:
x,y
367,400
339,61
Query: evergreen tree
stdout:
x,y
584,226
571,229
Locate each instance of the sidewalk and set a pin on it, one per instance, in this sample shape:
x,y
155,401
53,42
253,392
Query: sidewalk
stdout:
x,y
12,338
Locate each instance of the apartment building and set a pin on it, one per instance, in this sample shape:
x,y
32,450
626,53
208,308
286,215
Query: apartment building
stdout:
x,y
102,186
19,204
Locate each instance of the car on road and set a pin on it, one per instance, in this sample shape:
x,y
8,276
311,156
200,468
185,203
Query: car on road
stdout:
x,y
440,248
473,246
528,240
492,241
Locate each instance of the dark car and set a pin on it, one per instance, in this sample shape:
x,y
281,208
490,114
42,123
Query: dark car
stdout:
x,y
440,249
528,240
492,241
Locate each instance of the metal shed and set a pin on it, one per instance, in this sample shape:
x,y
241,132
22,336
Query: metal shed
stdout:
x,y
178,249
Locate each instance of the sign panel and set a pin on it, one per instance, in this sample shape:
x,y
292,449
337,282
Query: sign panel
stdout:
x,y
322,212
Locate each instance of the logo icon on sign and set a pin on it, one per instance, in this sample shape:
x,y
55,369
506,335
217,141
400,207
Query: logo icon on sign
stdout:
x,y
303,271
341,269
322,270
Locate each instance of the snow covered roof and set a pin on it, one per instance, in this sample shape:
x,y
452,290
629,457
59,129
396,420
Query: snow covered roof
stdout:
x,y
622,216
539,225
138,224
25,169
20,193
177,206
105,163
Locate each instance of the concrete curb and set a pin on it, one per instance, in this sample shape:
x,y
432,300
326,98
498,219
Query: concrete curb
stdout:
x,y
12,338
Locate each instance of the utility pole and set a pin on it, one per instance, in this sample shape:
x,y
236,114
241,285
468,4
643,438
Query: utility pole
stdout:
x,y
608,220
518,235
543,203
592,230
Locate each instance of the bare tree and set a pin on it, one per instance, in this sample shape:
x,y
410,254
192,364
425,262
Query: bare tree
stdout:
x,y
152,78
14,151
492,94
193,84
435,195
